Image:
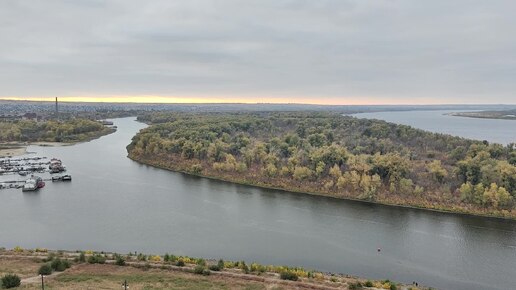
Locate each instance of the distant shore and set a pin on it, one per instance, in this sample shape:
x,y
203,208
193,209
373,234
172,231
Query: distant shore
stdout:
x,y
12,149
500,115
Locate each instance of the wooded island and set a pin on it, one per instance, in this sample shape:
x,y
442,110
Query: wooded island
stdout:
x,y
335,155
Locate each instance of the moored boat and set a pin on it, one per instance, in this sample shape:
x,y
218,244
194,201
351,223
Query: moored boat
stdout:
x,y
33,184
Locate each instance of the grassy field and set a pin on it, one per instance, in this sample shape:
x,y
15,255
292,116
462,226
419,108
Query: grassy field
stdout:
x,y
158,274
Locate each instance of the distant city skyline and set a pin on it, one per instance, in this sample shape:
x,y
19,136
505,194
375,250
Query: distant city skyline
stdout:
x,y
334,52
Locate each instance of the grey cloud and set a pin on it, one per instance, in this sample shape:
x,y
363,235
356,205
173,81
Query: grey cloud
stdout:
x,y
455,51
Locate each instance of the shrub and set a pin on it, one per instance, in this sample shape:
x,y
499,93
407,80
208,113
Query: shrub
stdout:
x,y
393,287
214,268
166,258
180,263
221,264
50,257
354,286
82,257
155,258
97,259
199,269
201,262
120,261
206,272
368,284
245,268
60,265
287,275
10,281
18,249
255,267
45,269
142,257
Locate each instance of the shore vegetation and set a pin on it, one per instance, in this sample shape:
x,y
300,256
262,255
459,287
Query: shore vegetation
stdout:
x,y
68,131
335,155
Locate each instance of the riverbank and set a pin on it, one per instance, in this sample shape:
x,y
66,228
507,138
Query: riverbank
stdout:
x,y
502,115
11,149
109,270
7,150
179,165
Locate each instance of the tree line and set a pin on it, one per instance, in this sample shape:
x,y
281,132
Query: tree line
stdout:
x,y
71,130
336,155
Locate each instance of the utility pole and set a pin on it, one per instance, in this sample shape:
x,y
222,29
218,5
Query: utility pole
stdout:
x,y
57,110
42,283
125,285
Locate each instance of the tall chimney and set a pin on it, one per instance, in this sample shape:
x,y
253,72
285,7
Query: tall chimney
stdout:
x,y
57,109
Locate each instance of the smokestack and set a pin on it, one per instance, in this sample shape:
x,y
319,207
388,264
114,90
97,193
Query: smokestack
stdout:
x,y
57,109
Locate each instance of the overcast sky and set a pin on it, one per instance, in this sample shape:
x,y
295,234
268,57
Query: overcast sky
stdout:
x,y
304,51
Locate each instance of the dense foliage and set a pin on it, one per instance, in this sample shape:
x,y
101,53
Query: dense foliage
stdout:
x,y
10,281
336,155
72,130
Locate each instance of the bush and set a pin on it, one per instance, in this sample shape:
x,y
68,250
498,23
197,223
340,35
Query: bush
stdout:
x,y
82,257
50,257
10,281
393,287
201,262
206,272
287,275
355,286
180,263
45,269
221,264
120,261
214,268
244,267
97,259
60,265
142,257
199,269
368,284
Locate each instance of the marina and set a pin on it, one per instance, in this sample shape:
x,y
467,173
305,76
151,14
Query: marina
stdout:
x,y
27,168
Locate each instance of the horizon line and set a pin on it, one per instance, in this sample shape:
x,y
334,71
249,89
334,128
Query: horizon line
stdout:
x,y
107,100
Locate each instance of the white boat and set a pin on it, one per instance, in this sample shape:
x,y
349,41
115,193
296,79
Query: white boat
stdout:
x,y
30,185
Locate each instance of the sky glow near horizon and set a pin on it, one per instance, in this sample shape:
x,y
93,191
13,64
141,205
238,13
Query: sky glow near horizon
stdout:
x,y
262,51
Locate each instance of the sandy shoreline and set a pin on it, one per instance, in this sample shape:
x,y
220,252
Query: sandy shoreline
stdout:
x,y
16,149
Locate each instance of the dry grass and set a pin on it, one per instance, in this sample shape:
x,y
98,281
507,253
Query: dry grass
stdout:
x,y
21,266
96,276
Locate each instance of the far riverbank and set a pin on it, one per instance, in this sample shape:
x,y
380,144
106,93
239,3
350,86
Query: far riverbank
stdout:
x,y
163,162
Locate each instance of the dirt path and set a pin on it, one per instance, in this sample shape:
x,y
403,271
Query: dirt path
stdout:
x,y
37,279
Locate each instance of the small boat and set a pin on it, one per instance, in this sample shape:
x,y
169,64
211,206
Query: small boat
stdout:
x,y
34,183
66,178
56,178
30,185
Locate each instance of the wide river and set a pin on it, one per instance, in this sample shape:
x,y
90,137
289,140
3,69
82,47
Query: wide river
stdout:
x,y
115,204
492,130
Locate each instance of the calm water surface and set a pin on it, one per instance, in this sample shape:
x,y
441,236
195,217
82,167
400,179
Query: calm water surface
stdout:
x,y
492,130
116,204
